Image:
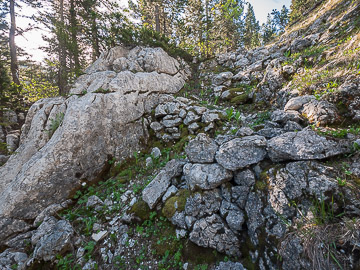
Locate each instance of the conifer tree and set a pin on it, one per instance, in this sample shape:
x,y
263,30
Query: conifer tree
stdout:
x,y
251,29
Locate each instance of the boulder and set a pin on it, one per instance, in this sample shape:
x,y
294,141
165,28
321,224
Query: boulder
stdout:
x,y
202,149
157,187
221,78
241,152
202,204
55,241
60,134
205,176
304,145
212,232
320,112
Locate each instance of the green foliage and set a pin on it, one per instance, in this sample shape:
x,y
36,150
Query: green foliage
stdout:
x,y
324,211
261,118
66,263
55,123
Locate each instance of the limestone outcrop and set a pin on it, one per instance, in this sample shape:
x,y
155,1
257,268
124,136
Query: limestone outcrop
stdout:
x,y
67,142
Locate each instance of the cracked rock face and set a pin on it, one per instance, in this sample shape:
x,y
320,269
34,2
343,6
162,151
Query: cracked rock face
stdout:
x,y
241,152
212,232
206,176
202,149
51,163
304,145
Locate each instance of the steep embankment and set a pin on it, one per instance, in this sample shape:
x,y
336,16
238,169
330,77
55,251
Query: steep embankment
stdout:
x,y
255,166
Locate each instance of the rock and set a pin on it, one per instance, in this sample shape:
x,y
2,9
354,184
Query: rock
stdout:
x,y
10,258
3,159
191,117
209,117
300,44
320,112
155,152
291,252
233,215
281,117
303,145
56,241
157,187
241,152
202,149
205,176
239,195
269,133
94,201
292,126
51,210
212,232
171,121
202,204
245,178
244,131
156,126
222,77
148,162
47,170
230,266
12,142
98,236
178,219
170,192
297,103
193,127
10,117
2,134
255,220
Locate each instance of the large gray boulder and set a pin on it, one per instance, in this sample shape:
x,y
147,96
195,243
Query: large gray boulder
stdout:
x,y
202,149
157,187
241,152
60,134
212,232
206,176
304,145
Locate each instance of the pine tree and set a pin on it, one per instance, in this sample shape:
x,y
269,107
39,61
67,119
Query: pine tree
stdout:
x,y
268,29
251,29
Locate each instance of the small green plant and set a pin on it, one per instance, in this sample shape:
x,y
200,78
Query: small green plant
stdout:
x,y
55,123
66,263
229,113
341,182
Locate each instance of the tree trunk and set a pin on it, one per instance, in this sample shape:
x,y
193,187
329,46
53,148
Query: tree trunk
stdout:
x,y
62,54
95,36
74,32
14,63
157,18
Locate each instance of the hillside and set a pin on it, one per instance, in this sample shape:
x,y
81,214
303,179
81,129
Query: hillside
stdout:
x,y
249,160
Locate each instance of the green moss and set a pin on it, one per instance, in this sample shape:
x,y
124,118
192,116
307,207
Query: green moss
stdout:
x,y
240,99
175,203
141,210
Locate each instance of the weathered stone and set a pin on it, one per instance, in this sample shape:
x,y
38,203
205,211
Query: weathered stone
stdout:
x,y
297,103
203,204
178,219
211,232
156,126
269,133
320,112
230,266
222,77
292,126
10,117
155,152
46,170
10,258
157,187
56,241
51,210
255,220
94,201
282,117
191,117
244,131
12,142
303,145
202,149
171,121
245,178
169,192
209,117
241,152
205,176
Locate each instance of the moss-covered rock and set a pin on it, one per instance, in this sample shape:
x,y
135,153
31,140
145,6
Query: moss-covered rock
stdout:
x,y
175,203
141,210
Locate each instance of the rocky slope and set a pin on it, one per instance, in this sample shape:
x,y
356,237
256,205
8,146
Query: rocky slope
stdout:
x,y
250,162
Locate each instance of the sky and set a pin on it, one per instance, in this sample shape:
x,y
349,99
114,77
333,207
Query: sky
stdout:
x,y
32,40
